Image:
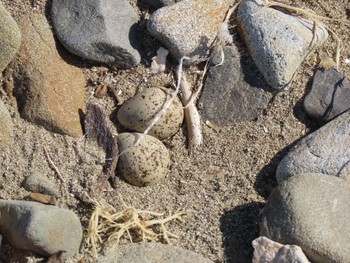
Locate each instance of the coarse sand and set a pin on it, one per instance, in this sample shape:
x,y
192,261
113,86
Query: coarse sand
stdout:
x,y
224,184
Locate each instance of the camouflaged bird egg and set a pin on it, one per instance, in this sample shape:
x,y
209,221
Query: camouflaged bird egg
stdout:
x,y
144,164
138,112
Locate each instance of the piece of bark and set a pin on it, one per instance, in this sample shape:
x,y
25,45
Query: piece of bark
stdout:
x,y
98,129
43,198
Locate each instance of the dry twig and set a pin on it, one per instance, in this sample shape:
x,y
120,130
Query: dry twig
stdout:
x,y
54,166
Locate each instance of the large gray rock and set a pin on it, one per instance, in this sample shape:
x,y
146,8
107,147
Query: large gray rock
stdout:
x,y
151,253
49,91
329,95
227,98
311,211
189,27
6,127
10,38
324,151
40,228
102,31
278,42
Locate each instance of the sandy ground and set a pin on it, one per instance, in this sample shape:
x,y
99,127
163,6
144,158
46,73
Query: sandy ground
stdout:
x,y
224,184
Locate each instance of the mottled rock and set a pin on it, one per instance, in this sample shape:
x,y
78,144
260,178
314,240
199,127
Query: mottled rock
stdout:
x,y
40,228
227,98
188,28
38,183
145,163
329,95
102,31
278,42
311,211
266,250
324,151
6,127
151,253
49,91
10,38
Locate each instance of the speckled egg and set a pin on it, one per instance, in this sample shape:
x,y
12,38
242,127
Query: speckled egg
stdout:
x,y
138,112
144,164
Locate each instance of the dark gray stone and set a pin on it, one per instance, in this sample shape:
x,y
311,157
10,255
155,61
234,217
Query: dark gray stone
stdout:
x,y
311,211
160,3
278,42
227,98
102,31
38,183
324,151
43,229
10,38
329,96
151,253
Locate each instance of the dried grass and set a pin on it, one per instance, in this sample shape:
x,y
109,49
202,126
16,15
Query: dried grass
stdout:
x,y
107,225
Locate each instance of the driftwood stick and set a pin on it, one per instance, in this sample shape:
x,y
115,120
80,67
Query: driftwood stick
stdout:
x,y
192,117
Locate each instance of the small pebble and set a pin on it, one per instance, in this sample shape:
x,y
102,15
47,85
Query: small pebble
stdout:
x,y
38,183
138,113
144,164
